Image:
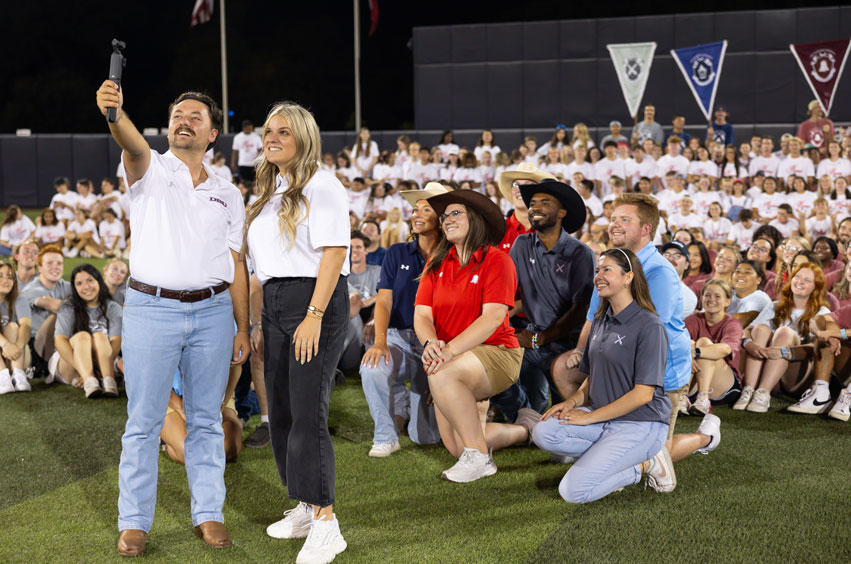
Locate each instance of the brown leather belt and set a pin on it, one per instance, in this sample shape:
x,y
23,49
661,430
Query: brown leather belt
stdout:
x,y
180,295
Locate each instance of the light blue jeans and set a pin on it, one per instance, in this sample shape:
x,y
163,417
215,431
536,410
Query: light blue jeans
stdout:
x,y
387,395
159,336
608,454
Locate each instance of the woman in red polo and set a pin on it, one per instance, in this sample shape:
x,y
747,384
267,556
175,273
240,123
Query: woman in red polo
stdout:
x,y
461,317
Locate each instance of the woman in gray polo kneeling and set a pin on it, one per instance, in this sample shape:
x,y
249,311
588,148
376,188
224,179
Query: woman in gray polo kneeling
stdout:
x,y
621,436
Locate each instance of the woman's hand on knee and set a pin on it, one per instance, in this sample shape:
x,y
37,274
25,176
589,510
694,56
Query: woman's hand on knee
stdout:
x,y
559,410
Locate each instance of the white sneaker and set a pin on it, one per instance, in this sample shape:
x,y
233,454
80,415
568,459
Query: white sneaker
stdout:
x,y
711,426
294,525
744,399
85,254
814,401
52,367
661,476
384,450
324,542
472,465
6,384
701,405
72,252
684,407
92,388
110,387
562,459
19,379
760,402
842,408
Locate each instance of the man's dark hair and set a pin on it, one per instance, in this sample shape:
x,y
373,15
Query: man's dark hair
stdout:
x,y
358,235
375,223
85,182
589,184
112,180
768,232
60,180
609,143
359,179
216,116
745,214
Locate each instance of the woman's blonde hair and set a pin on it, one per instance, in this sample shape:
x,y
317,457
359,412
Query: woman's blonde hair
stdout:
x,y
299,172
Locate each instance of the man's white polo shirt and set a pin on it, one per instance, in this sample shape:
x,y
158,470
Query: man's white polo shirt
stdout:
x,y
183,235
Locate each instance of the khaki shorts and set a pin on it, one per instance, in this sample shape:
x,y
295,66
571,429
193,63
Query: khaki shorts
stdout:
x,y
675,396
502,365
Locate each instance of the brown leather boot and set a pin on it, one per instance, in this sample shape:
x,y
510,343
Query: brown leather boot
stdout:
x,y
214,534
131,542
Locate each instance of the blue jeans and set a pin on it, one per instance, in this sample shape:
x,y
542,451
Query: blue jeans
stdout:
x,y
535,376
387,395
159,336
609,454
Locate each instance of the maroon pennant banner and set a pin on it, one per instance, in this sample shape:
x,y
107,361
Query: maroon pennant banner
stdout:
x,y
822,64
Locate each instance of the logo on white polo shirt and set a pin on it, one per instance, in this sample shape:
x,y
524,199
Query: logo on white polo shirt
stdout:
x,y
619,339
475,279
218,201
405,267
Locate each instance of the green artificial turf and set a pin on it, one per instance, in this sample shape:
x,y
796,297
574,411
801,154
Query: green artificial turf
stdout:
x,y
776,490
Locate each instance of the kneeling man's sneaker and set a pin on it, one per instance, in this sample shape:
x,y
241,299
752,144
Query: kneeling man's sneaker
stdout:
x,y
710,426
384,450
661,476
19,379
323,543
472,465
295,524
814,401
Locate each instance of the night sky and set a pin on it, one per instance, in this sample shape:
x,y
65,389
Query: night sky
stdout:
x,y
56,54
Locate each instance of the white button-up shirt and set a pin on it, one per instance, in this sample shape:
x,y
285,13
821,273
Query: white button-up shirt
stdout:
x,y
182,234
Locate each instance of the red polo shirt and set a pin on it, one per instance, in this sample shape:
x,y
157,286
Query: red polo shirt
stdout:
x,y
513,229
456,294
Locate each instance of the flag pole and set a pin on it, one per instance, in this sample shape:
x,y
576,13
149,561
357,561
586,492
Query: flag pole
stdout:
x,y
357,66
224,49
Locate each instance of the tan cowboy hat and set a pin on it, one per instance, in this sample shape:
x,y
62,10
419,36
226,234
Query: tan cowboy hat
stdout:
x,y
526,171
431,189
489,211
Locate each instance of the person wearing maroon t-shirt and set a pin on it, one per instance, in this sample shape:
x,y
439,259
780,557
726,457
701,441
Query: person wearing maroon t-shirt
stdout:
x,y
509,184
817,130
717,343
470,352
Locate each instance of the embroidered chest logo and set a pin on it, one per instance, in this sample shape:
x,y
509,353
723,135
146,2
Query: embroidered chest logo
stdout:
x,y
506,245
560,268
619,339
475,279
406,267
218,201
532,261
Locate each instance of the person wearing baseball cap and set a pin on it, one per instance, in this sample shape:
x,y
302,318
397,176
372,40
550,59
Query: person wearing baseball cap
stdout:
x,y
509,185
555,272
719,130
614,134
817,130
395,354
470,352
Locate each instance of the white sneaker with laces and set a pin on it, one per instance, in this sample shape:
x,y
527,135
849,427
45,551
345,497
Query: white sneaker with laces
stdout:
x,y
472,465
294,525
384,450
814,401
760,402
842,408
73,252
6,384
19,379
661,476
324,542
744,399
701,405
710,426
110,387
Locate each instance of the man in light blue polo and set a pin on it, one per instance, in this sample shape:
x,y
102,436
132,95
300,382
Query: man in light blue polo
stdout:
x,y
633,226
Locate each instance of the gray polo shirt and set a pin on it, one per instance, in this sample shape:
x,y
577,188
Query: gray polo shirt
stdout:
x,y
625,350
35,289
550,282
111,324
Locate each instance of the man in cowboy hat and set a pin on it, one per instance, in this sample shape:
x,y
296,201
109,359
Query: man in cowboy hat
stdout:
x,y
554,274
509,184
817,130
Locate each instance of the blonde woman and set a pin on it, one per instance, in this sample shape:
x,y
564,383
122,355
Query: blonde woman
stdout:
x,y
581,136
393,229
298,238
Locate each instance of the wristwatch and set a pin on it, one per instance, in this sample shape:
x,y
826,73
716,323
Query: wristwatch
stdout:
x,y
696,352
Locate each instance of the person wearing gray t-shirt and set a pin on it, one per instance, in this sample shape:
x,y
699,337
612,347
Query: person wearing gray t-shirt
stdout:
x,y
44,295
16,329
89,320
622,435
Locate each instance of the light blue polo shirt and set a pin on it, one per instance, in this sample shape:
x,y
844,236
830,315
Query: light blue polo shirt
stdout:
x,y
664,285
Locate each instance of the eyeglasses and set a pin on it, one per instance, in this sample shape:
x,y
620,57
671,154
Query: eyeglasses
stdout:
x,y
761,250
451,215
673,255
792,249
